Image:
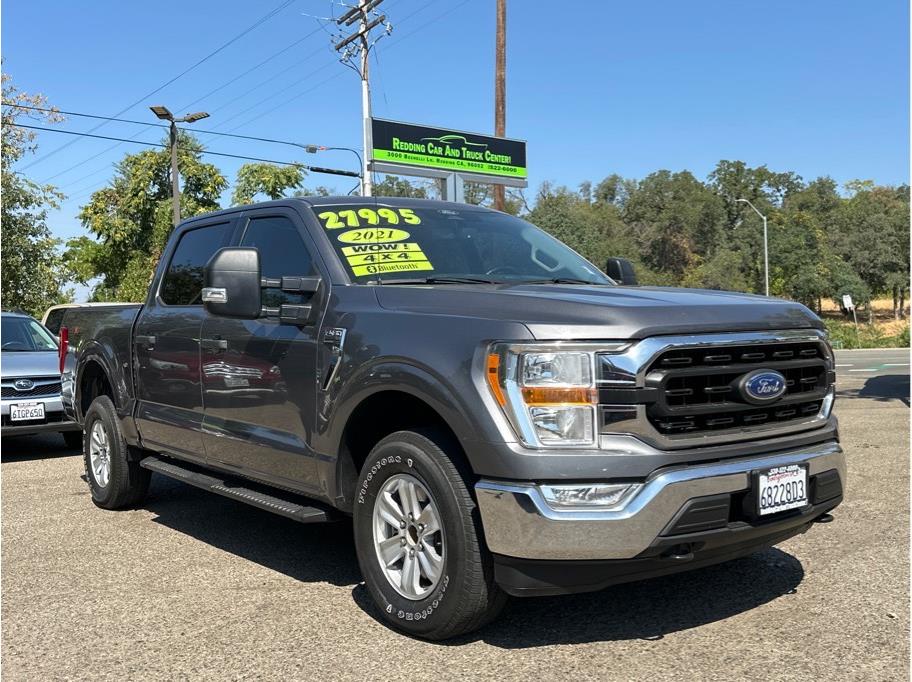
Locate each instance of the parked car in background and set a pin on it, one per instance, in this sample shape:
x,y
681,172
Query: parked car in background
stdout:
x,y
53,316
30,381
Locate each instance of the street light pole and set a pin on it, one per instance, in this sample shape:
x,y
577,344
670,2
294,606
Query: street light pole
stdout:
x,y
164,114
766,261
175,185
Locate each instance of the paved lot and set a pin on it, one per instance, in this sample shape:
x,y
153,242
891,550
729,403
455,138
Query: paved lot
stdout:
x,y
194,586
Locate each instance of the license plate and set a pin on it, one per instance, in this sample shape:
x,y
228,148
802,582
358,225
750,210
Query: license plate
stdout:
x,y
26,412
782,488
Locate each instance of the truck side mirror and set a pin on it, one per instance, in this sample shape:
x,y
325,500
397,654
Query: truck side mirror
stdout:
x,y
232,283
621,271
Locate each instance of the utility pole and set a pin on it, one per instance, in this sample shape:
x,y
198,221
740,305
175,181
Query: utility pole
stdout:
x,y
359,44
500,88
165,115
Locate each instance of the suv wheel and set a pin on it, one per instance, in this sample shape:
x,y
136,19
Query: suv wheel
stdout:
x,y
419,539
116,481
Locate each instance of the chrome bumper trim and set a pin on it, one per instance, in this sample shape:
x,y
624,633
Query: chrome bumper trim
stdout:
x,y
519,523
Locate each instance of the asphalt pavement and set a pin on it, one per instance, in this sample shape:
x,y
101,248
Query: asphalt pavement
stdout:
x,y
195,586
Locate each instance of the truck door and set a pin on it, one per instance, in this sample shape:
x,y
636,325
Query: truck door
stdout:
x,y
259,376
166,342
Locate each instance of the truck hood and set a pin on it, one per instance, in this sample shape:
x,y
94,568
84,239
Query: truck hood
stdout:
x,y
29,364
601,312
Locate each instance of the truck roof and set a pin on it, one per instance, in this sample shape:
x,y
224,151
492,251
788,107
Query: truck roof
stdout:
x,y
312,202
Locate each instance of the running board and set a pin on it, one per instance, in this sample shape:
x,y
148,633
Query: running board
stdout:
x,y
238,491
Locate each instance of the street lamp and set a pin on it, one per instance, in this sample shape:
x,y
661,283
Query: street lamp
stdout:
x,y
165,115
314,148
766,260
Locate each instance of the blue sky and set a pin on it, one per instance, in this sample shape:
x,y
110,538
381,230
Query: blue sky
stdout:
x,y
820,87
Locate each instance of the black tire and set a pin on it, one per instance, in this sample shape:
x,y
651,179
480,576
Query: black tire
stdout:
x,y
73,439
128,482
466,596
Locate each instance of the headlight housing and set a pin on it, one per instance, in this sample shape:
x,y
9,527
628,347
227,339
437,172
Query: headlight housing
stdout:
x,y
548,391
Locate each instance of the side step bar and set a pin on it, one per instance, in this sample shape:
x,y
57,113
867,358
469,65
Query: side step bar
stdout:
x,y
237,490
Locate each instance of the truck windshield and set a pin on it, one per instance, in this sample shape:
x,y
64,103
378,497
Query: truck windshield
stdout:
x,y
415,244
23,334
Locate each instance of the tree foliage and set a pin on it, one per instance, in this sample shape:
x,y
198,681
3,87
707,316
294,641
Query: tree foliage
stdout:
x,y
265,179
131,218
33,273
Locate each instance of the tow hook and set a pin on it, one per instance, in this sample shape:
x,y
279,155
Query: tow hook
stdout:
x,y
824,518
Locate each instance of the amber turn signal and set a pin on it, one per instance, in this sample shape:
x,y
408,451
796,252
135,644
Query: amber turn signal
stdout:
x,y
493,375
559,396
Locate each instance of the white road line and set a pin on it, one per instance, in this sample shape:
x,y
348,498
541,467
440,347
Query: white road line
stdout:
x,y
895,364
862,370
845,365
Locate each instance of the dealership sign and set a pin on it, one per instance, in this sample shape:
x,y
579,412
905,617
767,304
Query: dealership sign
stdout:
x,y
405,144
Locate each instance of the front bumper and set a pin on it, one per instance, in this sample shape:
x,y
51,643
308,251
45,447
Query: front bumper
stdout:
x,y
519,524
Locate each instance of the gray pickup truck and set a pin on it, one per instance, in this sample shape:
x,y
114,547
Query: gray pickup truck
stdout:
x,y
493,413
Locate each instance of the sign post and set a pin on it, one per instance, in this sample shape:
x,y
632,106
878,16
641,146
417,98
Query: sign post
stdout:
x,y
455,157
849,305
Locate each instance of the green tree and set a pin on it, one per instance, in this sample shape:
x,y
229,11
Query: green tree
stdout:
x,y
394,186
33,273
870,231
675,220
268,179
131,218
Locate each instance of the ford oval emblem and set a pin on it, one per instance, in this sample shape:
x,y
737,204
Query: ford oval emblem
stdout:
x,y
762,386
24,384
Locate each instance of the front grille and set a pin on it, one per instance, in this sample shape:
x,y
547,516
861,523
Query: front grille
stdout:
x,y
38,391
696,389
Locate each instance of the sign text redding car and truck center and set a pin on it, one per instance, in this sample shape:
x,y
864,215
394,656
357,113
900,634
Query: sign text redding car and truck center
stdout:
x,y
448,150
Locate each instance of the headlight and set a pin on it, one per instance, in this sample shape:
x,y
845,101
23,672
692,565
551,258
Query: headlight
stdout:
x,y
547,391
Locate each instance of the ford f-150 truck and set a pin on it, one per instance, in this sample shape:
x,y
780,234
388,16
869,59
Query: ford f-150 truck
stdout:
x,y
495,415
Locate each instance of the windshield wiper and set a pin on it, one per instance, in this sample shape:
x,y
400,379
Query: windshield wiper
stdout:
x,y
560,280
440,280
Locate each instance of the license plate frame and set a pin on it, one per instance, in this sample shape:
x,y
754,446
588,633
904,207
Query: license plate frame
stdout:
x,y
789,487
16,412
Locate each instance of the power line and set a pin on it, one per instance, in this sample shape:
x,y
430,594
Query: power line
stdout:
x,y
157,125
395,41
314,169
183,73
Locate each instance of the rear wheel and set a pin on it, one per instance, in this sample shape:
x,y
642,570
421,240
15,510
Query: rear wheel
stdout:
x,y
116,481
419,539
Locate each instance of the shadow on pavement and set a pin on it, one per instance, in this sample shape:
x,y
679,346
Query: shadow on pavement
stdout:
x,y
310,553
646,610
30,448
883,388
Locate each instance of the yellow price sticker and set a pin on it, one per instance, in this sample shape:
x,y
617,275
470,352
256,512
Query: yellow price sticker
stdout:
x,y
392,257
379,248
379,268
373,234
359,216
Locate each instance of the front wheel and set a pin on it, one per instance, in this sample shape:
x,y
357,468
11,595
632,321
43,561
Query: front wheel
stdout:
x,y
419,539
